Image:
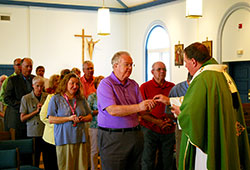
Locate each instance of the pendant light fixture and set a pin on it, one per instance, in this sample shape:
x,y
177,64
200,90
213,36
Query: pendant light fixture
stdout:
x,y
193,8
103,21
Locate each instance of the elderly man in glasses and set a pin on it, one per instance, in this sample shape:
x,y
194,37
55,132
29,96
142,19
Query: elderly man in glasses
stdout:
x,y
157,127
119,103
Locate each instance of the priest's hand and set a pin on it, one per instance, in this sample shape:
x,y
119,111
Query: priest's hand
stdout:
x,y
175,110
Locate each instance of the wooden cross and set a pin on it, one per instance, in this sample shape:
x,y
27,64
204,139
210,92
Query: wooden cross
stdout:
x,y
83,36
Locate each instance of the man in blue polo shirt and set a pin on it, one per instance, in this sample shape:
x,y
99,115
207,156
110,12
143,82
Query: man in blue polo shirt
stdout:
x,y
120,139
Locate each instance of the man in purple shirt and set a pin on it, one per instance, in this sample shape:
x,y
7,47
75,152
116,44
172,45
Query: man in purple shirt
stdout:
x,y
119,101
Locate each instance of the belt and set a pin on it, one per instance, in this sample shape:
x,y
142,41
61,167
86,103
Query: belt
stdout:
x,y
137,128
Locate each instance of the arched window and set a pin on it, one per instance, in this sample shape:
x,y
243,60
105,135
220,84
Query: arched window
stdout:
x,y
157,49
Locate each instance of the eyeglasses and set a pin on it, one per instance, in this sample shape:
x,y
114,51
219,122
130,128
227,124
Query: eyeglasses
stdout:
x,y
128,65
159,69
90,68
17,64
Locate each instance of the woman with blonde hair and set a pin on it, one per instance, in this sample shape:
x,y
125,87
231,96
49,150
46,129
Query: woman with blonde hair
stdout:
x,y
48,133
68,111
53,83
77,71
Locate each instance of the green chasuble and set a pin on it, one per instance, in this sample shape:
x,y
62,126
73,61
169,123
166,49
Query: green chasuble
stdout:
x,y
210,121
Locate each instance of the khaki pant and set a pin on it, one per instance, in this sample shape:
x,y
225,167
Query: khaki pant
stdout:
x,y
72,157
93,148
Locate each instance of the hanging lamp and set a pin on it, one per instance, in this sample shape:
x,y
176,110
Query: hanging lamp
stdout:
x,y
103,21
193,8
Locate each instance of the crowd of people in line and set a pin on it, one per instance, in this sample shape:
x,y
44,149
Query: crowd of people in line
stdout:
x,y
75,118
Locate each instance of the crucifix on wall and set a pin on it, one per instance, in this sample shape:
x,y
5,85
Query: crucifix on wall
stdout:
x,y
83,36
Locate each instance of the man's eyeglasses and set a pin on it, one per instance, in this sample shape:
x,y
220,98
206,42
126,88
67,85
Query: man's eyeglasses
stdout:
x,y
159,69
90,68
128,65
17,64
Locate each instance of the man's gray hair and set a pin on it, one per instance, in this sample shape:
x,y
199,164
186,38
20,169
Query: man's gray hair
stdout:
x,y
117,56
37,79
158,62
86,63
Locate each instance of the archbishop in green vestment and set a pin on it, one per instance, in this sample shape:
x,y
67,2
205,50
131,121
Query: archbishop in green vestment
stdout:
x,y
212,120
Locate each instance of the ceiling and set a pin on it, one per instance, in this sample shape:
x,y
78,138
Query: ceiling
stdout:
x,y
114,5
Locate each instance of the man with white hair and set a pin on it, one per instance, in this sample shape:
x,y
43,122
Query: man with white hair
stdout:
x,y
119,102
88,78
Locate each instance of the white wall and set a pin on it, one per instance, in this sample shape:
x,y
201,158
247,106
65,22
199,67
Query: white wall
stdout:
x,y
180,29
53,37
173,15
236,39
47,35
14,34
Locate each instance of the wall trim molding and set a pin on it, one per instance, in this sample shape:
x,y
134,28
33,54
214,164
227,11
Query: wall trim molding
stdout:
x,y
125,9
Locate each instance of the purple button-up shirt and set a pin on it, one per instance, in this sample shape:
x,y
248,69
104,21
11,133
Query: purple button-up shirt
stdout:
x,y
112,92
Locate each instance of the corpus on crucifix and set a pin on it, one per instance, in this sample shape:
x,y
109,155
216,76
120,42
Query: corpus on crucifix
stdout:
x,y
83,36
91,45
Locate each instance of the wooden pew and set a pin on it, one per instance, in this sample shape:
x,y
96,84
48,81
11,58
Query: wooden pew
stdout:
x,y
7,135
